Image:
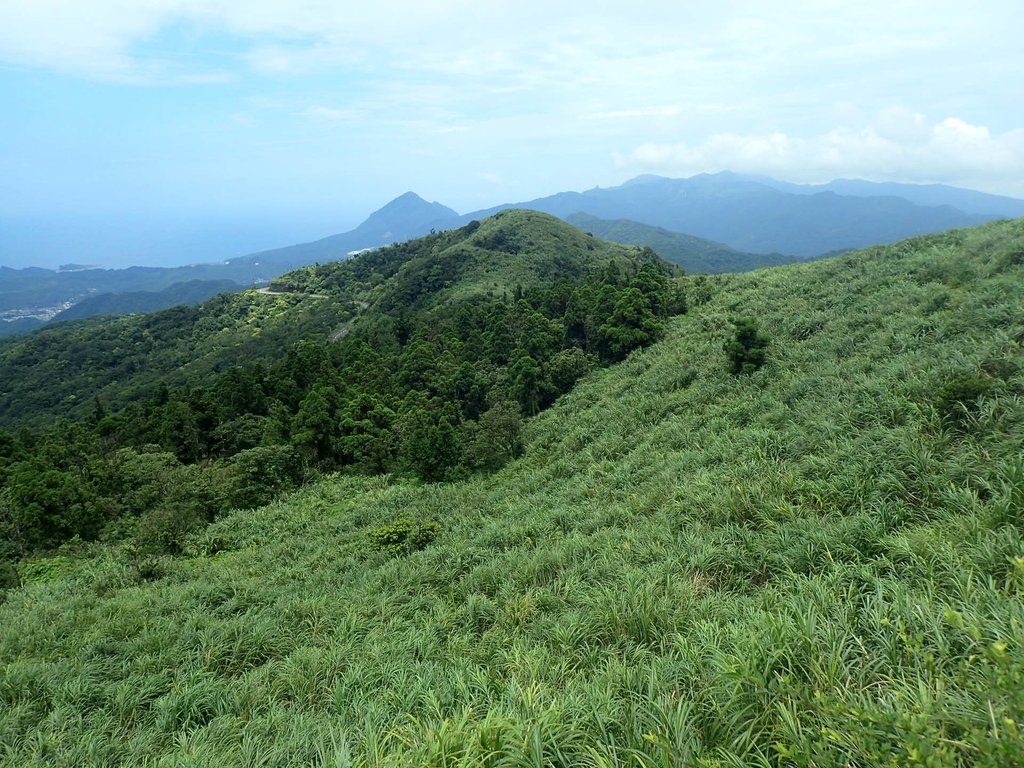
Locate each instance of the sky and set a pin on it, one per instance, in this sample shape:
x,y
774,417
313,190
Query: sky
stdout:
x,y
158,131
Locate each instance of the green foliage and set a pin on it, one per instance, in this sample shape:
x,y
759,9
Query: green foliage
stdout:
x,y
9,577
958,399
747,348
403,536
632,325
678,570
426,345
164,529
430,445
257,475
495,439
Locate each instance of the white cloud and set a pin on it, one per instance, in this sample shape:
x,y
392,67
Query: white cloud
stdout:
x,y
104,38
898,146
691,85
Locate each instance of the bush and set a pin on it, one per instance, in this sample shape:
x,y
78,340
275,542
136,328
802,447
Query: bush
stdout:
x,y
403,536
9,578
747,348
163,530
257,475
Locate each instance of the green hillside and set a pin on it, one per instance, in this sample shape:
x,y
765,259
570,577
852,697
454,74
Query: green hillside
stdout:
x,y
820,563
420,359
59,370
694,254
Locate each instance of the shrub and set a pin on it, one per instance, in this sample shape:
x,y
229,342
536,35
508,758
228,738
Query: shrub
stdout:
x,y
403,536
257,475
163,530
9,578
747,348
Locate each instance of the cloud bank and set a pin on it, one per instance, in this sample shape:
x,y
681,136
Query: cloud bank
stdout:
x,y
898,146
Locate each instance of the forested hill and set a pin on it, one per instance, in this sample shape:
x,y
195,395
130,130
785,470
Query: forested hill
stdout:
x,y
60,371
792,540
420,358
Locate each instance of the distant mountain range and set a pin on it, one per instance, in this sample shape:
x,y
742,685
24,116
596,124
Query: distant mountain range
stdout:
x,y
967,200
752,215
694,254
706,223
755,216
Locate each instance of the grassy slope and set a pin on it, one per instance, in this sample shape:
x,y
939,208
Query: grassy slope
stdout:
x,y
806,566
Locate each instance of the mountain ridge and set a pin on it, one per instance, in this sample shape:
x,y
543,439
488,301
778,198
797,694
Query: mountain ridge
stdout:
x,y
755,217
119,359
694,254
749,214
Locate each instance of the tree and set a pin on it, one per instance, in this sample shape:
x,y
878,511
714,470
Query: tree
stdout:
x,y
430,444
367,439
526,380
314,427
632,324
495,438
653,283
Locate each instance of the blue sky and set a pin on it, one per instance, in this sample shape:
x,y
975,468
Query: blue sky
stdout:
x,y
158,130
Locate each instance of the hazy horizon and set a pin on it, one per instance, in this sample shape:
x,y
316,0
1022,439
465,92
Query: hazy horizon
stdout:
x,y
270,122
119,242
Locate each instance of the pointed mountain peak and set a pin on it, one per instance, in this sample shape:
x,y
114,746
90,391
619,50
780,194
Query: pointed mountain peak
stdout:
x,y
409,198
412,204
408,215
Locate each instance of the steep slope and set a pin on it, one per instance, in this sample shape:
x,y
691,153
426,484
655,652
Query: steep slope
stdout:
x,y
694,254
20,325
818,564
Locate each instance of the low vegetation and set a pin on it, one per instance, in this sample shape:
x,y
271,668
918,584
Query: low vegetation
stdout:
x,y
818,563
